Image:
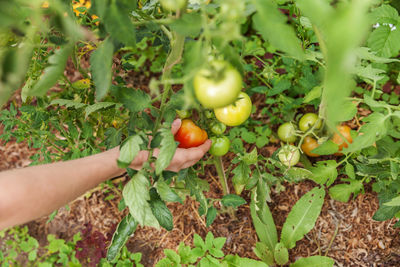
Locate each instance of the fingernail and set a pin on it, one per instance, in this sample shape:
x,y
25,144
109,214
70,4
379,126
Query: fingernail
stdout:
x,y
177,122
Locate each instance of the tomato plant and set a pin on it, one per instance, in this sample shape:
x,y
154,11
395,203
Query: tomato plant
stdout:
x,y
308,145
220,145
235,113
217,85
190,135
207,52
289,155
287,132
308,120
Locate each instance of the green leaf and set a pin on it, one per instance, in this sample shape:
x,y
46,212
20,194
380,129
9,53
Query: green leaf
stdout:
x,y
232,200
315,93
295,174
374,129
211,215
394,202
166,193
281,254
172,255
125,229
219,242
342,192
133,100
241,174
67,103
167,150
386,212
53,72
217,253
196,187
198,242
101,67
263,222
369,74
136,195
165,263
302,217
272,25
250,263
385,41
384,14
32,255
261,250
349,168
320,261
129,150
326,148
119,25
324,172
161,211
97,106
188,25
209,240
366,54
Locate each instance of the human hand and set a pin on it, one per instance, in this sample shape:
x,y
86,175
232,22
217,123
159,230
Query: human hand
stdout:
x,y
183,157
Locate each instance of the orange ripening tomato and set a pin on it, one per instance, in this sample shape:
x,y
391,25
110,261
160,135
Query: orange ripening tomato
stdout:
x,y
190,135
308,145
337,139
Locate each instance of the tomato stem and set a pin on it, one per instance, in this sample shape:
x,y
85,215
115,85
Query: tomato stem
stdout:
x,y
221,174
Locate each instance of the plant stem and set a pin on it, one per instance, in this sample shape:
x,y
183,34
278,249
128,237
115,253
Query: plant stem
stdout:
x,y
174,57
221,174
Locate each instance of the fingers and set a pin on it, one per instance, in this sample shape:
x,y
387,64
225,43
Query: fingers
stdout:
x,y
176,124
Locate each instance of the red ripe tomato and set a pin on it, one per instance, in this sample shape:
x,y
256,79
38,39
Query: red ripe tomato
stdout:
x,y
190,135
337,139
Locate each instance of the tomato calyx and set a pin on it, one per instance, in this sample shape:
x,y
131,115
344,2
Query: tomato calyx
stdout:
x,y
190,135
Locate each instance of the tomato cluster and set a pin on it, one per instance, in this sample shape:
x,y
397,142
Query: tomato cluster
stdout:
x,y
217,87
309,124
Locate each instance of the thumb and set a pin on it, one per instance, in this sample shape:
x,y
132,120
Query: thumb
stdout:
x,y
175,126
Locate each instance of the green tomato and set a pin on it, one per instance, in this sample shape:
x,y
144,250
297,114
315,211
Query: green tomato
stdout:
x,y
287,132
235,113
220,145
217,85
308,120
173,5
217,127
183,114
289,155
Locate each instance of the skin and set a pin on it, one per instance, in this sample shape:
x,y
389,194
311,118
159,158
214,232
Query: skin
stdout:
x,y
32,192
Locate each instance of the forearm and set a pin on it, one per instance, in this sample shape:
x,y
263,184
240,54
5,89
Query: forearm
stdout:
x,y
31,192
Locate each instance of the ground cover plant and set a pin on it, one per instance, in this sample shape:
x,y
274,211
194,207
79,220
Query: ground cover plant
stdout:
x,y
289,92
